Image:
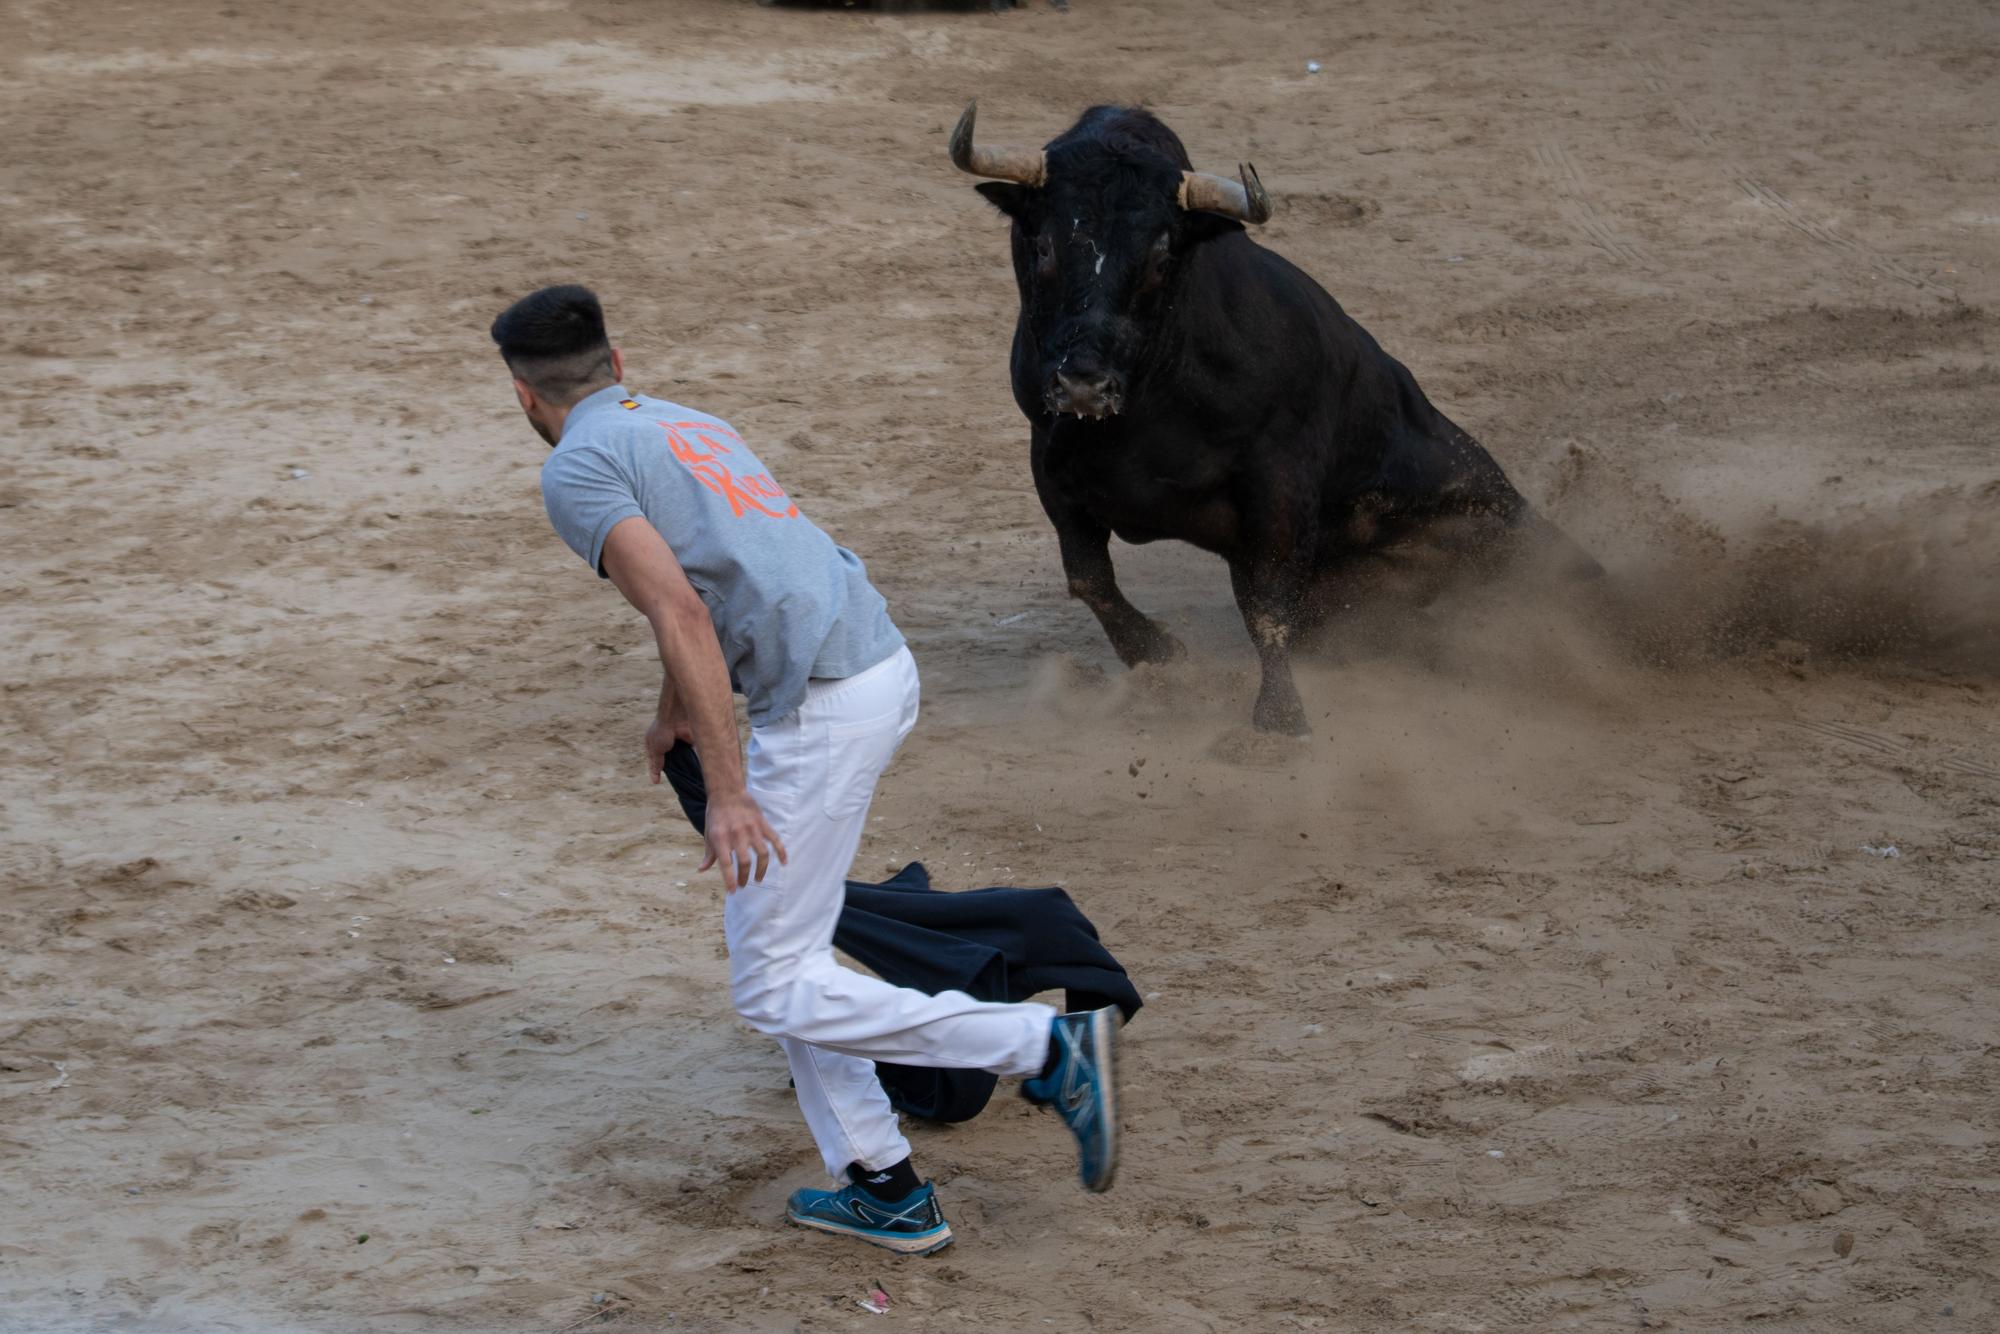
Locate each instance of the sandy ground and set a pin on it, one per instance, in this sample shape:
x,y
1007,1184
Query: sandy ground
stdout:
x,y
351,978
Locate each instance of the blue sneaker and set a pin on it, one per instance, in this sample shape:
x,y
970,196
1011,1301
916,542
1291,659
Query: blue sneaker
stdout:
x,y
913,1225
1083,1088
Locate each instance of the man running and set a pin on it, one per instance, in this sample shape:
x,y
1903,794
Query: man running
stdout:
x,y
744,593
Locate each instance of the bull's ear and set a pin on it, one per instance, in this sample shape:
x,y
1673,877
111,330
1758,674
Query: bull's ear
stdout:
x,y
1006,196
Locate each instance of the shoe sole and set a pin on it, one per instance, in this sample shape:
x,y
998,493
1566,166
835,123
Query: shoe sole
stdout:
x,y
920,1243
1103,1037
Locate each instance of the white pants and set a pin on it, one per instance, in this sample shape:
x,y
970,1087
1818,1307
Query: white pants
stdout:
x,y
814,774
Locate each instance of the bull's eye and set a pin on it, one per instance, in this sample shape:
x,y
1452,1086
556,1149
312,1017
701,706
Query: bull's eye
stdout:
x,y
1045,255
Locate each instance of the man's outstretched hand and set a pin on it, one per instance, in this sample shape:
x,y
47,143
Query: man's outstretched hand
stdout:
x,y
740,840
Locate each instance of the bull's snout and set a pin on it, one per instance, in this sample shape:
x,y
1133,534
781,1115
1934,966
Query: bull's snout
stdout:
x,y
1085,395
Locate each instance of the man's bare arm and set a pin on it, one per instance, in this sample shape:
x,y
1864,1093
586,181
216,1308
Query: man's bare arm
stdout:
x,y
695,692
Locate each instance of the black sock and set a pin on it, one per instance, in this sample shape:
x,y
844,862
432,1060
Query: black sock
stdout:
x,y
1055,1057
896,1182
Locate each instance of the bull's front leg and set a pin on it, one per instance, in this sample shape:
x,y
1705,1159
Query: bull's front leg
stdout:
x,y
1271,584
1086,556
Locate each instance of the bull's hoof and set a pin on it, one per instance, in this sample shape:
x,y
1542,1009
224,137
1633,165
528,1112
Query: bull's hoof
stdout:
x,y
1156,646
1280,714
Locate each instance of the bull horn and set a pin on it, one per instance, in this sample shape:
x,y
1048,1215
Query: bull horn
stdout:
x,y
1029,166
1245,202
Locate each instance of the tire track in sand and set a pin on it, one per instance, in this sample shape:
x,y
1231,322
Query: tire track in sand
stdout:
x,y
1896,748
1572,191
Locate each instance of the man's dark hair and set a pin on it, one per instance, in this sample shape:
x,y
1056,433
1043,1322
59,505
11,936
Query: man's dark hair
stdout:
x,y
554,339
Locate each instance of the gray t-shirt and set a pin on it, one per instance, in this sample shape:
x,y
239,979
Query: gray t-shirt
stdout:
x,y
787,603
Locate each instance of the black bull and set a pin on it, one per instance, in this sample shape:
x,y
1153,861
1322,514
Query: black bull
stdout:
x,y
1181,381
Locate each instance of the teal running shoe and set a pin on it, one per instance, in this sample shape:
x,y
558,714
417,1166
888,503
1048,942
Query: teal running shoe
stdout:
x,y
911,1226
1083,1088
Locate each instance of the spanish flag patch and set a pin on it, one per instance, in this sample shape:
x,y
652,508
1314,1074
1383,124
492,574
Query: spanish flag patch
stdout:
x,y
629,404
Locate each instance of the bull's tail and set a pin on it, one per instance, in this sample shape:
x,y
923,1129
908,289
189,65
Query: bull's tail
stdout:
x,y
1479,484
